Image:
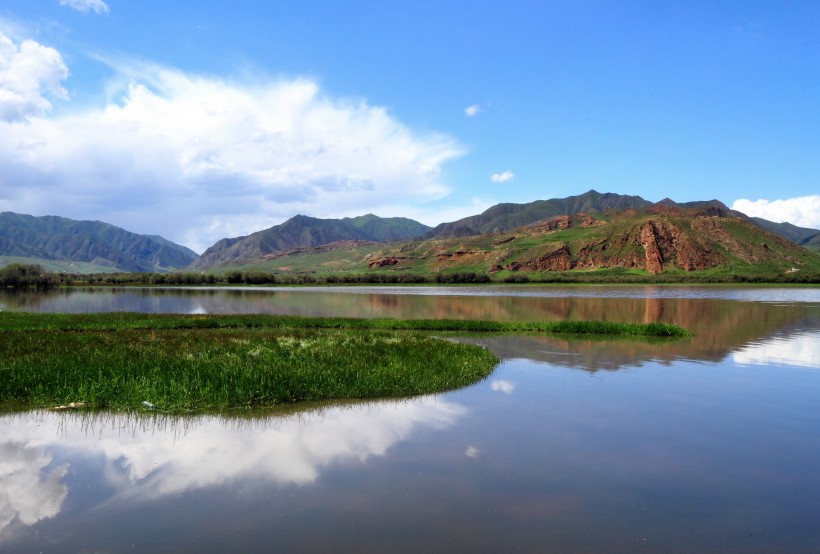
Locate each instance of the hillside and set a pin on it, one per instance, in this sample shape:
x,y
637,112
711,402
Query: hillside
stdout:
x,y
97,244
809,238
591,231
662,238
812,242
307,232
503,217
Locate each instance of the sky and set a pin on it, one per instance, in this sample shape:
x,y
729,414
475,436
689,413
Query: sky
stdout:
x,y
204,120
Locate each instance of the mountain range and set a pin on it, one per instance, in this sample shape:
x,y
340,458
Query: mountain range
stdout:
x,y
300,234
606,219
303,231
663,238
65,243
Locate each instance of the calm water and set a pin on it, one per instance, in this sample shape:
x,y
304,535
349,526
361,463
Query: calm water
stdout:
x,y
704,444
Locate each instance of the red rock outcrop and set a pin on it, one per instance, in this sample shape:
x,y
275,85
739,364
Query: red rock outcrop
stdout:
x,y
382,262
561,222
654,258
557,260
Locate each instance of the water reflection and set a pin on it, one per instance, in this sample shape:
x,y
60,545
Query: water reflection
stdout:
x,y
800,350
148,457
30,487
709,443
720,322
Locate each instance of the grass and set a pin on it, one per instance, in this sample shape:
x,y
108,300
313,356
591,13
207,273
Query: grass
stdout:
x,y
181,363
114,321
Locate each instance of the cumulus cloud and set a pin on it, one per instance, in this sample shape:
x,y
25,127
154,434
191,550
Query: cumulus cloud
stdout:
x,y
803,211
502,177
472,111
28,74
197,158
96,6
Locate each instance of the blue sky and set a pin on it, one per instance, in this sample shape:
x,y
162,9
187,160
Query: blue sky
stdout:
x,y
201,120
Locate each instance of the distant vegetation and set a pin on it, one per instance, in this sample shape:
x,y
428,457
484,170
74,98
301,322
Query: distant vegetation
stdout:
x,y
24,276
19,276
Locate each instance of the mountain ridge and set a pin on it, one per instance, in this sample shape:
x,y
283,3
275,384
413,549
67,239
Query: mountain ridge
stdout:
x,y
69,243
506,216
303,231
498,218
664,237
57,238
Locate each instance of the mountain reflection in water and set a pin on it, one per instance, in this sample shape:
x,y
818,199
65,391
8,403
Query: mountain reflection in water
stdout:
x,y
723,319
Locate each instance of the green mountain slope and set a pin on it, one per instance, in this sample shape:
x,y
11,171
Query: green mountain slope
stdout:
x,y
812,242
380,229
503,217
664,238
305,232
659,239
796,234
93,242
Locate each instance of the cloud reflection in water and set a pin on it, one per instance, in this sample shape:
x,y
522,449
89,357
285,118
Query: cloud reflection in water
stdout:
x,y
147,457
800,350
30,490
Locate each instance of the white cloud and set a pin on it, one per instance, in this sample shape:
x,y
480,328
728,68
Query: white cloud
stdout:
x,y
472,452
27,74
502,385
803,211
472,111
197,158
502,177
97,6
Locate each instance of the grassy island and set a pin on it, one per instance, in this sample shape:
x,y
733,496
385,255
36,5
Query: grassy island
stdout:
x,y
178,363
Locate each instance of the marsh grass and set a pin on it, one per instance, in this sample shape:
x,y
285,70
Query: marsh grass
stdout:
x,y
204,369
118,321
180,363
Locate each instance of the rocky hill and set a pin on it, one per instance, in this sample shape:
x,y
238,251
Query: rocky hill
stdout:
x,y
503,217
306,232
687,246
95,242
664,237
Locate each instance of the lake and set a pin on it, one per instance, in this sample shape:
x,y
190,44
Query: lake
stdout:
x,y
708,444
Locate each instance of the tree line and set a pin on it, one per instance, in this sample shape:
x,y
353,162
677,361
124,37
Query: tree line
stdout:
x,y
22,276
27,276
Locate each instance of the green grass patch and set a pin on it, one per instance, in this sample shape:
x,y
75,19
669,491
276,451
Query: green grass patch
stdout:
x,y
117,321
181,363
216,369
